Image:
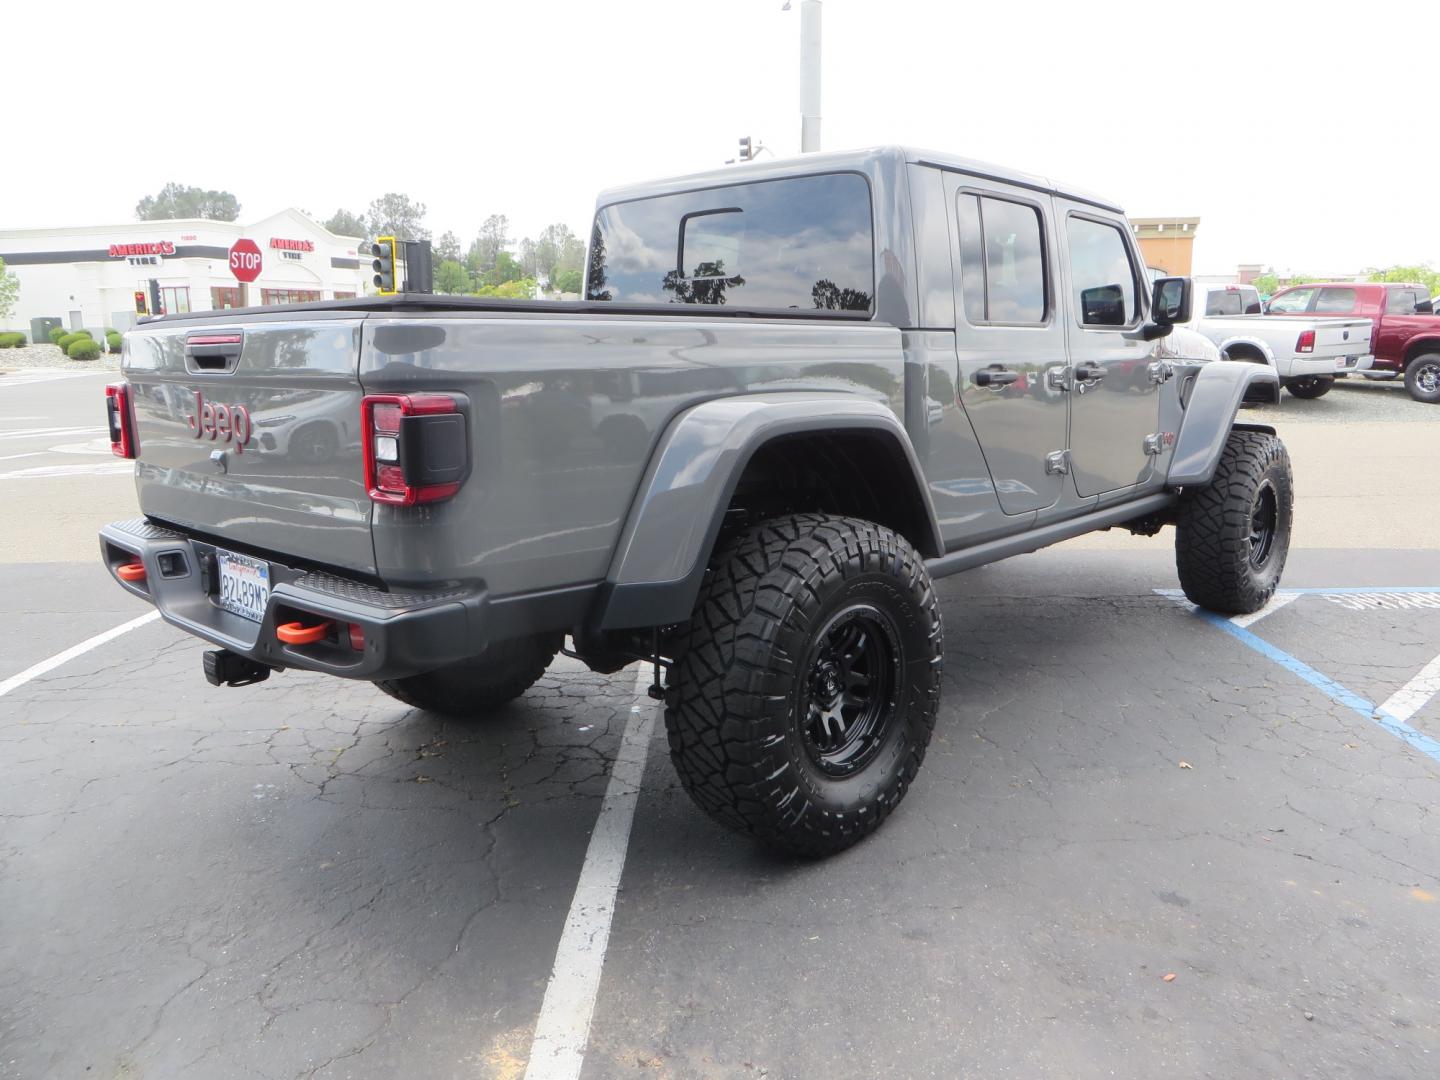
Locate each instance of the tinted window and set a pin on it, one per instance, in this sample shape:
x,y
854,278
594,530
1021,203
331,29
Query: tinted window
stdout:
x,y
1291,302
1101,274
1224,303
1002,261
1402,302
1335,302
803,242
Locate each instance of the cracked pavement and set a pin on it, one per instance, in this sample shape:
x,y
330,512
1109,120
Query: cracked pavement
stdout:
x,y
308,879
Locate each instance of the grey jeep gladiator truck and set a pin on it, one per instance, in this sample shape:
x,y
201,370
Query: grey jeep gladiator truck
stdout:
x,y
793,394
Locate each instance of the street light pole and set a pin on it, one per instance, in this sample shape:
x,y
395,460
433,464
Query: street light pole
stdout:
x,y
809,76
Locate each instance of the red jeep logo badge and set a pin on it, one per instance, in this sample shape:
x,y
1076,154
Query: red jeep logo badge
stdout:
x,y
220,423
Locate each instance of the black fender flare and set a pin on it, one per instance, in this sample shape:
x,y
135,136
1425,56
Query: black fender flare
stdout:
x,y
677,512
1211,406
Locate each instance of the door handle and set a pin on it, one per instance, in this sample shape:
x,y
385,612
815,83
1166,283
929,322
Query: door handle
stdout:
x,y
1091,373
995,378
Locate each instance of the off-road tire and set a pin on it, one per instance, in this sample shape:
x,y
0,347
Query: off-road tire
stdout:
x,y
1422,378
750,673
504,671
1225,562
1310,386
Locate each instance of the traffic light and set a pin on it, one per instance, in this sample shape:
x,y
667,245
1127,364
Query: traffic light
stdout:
x,y
384,265
140,308
155,308
747,148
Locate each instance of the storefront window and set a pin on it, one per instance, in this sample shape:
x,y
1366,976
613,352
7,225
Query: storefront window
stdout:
x,y
175,299
222,298
289,296
344,295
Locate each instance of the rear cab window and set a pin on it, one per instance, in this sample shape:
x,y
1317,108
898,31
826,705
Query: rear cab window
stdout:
x,y
803,243
1335,302
1102,274
1233,300
1002,262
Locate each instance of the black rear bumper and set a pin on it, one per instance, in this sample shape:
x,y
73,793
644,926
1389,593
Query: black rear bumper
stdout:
x,y
405,632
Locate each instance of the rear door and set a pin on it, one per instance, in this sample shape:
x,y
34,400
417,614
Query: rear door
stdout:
x,y
1115,404
249,432
1009,341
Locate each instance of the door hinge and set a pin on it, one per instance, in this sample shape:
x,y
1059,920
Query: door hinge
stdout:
x,y
1057,463
1161,371
1154,443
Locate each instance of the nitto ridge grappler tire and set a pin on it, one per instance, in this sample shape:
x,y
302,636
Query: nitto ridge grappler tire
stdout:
x,y
504,671
805,685
1233,534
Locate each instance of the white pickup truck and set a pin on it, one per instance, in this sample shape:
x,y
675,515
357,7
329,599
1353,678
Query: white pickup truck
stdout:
x,y
1307,354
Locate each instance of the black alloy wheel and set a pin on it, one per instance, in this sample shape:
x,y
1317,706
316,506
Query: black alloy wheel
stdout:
x,y
849,695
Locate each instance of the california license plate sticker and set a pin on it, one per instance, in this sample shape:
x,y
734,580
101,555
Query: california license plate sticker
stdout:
x,y
244,585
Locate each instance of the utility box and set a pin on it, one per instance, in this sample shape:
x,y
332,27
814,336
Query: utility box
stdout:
x,y
40,330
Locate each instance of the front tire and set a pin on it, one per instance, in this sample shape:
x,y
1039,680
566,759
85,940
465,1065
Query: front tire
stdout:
x,y
1233,535
1422,378
1310,386
805,685
500,674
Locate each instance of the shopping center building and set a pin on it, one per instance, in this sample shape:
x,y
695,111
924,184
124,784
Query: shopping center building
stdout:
x,y
89,277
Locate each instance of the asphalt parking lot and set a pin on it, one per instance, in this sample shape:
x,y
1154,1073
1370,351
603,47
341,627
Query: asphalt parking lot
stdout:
x,y
306,878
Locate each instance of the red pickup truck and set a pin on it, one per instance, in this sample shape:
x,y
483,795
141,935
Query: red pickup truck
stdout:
x,y
1406,332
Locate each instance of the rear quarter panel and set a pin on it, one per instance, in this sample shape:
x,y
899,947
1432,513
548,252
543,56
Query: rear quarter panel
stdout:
x,y
564,415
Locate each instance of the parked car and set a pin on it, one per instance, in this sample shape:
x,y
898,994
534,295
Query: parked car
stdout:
x,y
1306,354
789,401
1406,336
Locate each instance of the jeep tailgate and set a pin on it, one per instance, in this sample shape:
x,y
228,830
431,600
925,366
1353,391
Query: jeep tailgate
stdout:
x,y
249,431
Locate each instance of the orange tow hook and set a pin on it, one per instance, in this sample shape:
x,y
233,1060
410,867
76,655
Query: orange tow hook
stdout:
x,y
131,571
294,633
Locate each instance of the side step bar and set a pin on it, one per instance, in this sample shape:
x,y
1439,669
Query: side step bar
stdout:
x,y
1045,535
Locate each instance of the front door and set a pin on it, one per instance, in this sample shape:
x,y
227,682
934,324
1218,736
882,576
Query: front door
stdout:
x,y
1114,401
1009,338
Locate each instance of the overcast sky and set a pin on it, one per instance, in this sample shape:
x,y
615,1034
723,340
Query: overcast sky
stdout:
x,y
1304,139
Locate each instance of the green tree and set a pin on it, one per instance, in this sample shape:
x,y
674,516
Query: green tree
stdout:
x,y
447,247
554,243
9,292
523,289
506,268
493,238
397,215
1267,283
1405,275
177,201
344,223
451,278
568,281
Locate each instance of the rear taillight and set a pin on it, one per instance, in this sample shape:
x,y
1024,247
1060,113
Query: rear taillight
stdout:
x,y
416,447
1306,341
122,420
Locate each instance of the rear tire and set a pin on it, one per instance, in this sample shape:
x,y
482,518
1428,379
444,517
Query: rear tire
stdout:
x,y
500,674
1310,386
1233,535
805,685
1422,378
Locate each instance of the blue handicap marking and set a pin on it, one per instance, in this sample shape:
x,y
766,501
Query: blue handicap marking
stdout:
x,y
1393,715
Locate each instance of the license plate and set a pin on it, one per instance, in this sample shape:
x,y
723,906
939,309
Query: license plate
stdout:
x,y
244,585
1343,362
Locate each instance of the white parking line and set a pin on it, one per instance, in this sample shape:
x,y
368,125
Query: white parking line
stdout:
x,y
558,1049
50,472
1413,696
34,671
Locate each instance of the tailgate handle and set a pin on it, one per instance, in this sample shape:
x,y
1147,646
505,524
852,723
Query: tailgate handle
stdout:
x,y
213,352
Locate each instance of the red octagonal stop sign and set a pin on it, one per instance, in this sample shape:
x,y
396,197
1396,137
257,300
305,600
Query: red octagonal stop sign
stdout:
x,y
245,260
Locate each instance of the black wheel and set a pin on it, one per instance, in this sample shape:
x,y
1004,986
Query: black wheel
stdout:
x,y
501,673
1233,535
1310,386
1422,378
805,685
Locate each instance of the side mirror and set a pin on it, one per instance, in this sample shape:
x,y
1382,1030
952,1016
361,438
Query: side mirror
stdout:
x,y
1170,301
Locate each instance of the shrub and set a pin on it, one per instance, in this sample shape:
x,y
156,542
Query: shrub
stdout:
x,y
83,333
83,349
66,340
112,340
11,339
56,334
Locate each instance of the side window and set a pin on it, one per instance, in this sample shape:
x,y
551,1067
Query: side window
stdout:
x,y
1293,302
1101,274
1228,302
1402,302
1335,302
1002,261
